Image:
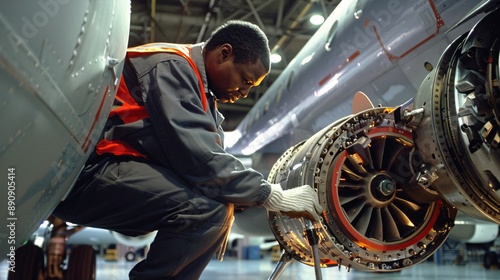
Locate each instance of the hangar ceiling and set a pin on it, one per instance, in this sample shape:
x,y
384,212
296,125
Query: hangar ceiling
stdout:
x,y
285,23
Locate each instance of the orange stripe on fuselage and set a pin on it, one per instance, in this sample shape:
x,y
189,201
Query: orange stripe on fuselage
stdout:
x,y
439,24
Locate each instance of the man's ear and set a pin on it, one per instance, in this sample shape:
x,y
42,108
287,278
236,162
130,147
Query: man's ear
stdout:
x,y
225,52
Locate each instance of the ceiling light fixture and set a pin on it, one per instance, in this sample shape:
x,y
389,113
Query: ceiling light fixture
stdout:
x,y
275,58
316,17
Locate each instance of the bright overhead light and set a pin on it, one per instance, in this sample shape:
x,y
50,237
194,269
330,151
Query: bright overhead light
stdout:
x,y
316,19
275,58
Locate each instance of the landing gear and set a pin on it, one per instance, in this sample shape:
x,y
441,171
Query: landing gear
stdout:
x,y
82,263
30,264
57,252
30,259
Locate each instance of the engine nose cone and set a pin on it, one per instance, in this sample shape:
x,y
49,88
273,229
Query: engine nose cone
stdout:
x,y
384,186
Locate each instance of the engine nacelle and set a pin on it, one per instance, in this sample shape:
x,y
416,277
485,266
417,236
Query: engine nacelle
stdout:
x,y
458,134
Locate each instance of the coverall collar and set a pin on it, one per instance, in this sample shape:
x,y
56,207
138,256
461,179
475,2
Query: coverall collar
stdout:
x,y
197,57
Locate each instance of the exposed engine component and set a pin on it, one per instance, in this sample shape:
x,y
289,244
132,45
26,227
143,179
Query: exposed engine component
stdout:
x,y
360,168
458,134
390,180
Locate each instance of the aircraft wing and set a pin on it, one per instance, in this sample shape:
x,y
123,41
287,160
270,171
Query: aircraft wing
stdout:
x,y
60,63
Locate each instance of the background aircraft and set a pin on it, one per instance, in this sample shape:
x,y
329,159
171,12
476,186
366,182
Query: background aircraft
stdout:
x,y
100,239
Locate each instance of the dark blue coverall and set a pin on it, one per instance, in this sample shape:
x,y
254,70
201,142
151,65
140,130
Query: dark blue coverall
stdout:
x,y
185,186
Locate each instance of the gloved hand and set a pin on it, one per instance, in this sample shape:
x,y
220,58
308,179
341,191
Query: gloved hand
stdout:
x,y
297,202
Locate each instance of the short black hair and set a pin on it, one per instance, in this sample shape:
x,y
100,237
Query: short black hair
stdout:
x,y
249,42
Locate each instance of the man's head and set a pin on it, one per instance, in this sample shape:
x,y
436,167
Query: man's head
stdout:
x,y
237,57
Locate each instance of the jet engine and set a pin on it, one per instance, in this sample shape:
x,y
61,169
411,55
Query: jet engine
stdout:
x,y
360,167
391,179
458,134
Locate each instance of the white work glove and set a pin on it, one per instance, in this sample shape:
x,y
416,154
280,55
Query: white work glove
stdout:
x,y
297,202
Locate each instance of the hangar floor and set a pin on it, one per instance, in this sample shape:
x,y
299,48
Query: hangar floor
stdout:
x,y
232,268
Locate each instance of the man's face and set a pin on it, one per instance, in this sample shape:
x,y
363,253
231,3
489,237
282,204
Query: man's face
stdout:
x,y
228,80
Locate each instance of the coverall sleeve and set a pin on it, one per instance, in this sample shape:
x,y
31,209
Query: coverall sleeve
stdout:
x,y
189,139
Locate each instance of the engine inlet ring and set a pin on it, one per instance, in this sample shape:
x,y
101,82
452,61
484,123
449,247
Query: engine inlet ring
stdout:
x,y
352,199
320,162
